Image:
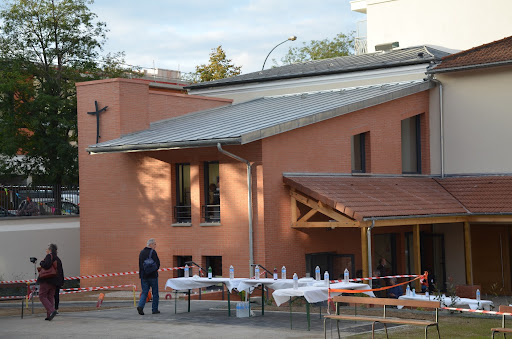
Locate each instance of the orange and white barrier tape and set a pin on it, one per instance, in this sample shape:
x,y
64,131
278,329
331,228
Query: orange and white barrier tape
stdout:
x,y
329,299
14,297
89,289
373,278
475,311
94,275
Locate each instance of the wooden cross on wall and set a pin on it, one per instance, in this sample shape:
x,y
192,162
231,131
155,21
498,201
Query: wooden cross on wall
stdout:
x,y
97,113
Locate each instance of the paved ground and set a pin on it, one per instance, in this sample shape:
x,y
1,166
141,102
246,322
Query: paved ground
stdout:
x,y
208,319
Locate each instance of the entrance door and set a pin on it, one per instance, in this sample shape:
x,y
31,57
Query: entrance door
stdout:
x,y
433,258
334,263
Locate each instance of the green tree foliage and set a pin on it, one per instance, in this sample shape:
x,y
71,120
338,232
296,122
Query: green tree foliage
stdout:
x,y
219,67
46,46
341,45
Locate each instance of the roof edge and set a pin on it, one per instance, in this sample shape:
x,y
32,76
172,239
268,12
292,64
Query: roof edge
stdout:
x,y
161,146
469,67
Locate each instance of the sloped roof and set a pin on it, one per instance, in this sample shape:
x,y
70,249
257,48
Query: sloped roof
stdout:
x,y
496,53
380,197
351,63
482,194
257,119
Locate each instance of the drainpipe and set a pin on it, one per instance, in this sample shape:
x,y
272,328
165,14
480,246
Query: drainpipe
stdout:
x,y
249,201
369,238
441,122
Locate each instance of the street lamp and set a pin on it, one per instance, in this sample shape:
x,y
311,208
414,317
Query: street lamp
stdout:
x,y
292,38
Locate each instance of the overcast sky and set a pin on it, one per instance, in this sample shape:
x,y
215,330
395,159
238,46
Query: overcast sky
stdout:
x,y
181,34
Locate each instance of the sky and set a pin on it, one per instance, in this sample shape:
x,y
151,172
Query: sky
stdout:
x,y
180,35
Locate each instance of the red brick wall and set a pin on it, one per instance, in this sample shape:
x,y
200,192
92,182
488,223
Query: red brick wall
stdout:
x,y
325,148
128,198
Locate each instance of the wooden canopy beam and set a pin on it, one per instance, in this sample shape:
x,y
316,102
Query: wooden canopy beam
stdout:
x,y
318,207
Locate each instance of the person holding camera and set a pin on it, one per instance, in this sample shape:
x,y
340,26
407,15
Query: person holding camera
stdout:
x,y
148,274
47,285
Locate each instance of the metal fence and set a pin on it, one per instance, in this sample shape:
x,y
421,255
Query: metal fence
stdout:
x,y
38,200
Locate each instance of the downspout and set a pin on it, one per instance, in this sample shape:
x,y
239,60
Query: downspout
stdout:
x,y
369,238
249,201
441,122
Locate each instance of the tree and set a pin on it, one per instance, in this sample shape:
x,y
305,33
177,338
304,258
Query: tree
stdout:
x,y
46,46
219,67
341,45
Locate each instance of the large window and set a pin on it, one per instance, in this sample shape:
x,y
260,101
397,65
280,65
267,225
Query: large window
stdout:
x,y
182,208
358,145
211,207
215,262
411,145
181,261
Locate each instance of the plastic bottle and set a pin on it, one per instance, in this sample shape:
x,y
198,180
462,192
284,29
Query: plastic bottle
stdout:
x,y
275,273
257,272
283,273
427,295
209,272
408,290
187,271
478,295
346,276
326,278
413,292
317,274
231,272
295,281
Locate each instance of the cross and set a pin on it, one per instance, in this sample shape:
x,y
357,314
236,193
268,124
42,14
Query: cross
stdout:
x,y
97,113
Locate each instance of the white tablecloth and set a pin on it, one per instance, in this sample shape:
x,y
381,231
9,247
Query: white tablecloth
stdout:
x,y
447,301
316,293
183,284
250,284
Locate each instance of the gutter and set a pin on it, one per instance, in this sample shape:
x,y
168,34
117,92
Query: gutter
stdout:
x,y
161,146
249,203
469,67
437,215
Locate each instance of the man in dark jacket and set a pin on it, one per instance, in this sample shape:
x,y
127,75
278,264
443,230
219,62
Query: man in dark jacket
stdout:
x,y
148,279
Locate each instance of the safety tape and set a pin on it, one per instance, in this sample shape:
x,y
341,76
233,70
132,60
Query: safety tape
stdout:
x,y
372,278
89,289
475,311
14,297
330,301
94,275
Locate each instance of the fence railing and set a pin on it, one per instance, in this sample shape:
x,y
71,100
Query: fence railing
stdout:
x,y
38,200
182,214
210,213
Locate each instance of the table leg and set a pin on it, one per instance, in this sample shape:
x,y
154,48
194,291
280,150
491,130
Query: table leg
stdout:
x,y
175,301
290,313
308,315
229,304
262,300
189,301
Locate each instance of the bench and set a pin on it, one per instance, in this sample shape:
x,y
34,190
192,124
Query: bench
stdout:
x,y
13,288
503,329
383,319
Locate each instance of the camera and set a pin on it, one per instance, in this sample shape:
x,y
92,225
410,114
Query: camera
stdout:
x,y
33,260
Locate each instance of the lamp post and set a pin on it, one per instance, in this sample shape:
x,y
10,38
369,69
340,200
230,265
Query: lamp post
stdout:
x,y
292,38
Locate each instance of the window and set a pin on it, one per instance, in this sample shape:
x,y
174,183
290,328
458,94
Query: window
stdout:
x,y
182,209
358,144
215,262
181,260
211,208
411,145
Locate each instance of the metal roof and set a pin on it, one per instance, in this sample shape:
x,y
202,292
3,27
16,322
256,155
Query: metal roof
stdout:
x,y
351,63
257,119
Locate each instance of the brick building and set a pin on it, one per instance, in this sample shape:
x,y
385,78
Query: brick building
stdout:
x,y
332,173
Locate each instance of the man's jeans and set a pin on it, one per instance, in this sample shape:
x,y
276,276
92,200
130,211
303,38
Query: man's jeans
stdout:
x,y
146,284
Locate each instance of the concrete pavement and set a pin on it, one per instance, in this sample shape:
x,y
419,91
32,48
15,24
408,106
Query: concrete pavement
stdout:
x,y
207,319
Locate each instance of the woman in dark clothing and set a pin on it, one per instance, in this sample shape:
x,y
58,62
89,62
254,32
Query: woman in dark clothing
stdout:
x,y
47,286
60,282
